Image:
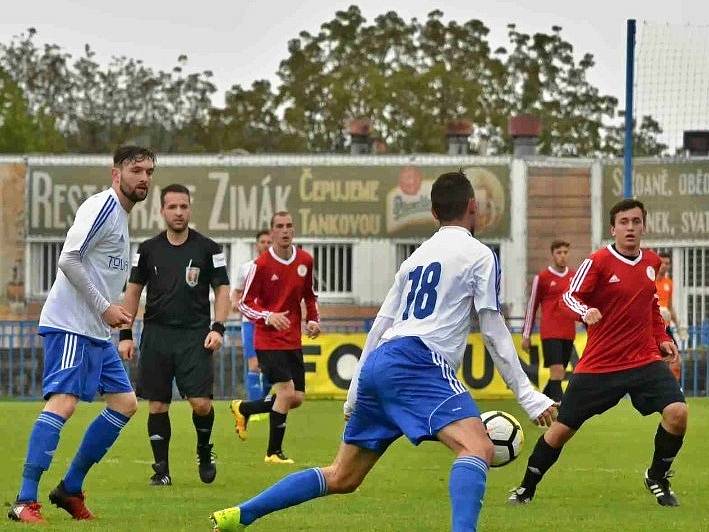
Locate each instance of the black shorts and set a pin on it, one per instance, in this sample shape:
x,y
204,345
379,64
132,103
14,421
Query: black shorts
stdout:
x,y
651,388
557,351
283,365
168,353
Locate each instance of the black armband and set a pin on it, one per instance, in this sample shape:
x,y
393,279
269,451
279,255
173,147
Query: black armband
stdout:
x,y
125,334
218,326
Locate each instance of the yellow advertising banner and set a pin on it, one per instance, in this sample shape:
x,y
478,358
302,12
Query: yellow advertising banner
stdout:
x,y
330,361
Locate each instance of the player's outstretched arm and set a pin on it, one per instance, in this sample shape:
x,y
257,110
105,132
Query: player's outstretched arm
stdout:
x,y
498,341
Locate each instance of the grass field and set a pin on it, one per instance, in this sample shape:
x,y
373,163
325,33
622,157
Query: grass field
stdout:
x,y
596,485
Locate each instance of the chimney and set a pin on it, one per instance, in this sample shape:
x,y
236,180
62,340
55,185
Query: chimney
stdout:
x,y
525,130
458,136
359,129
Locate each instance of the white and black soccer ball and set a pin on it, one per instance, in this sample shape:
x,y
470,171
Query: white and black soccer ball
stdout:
x,y
506,435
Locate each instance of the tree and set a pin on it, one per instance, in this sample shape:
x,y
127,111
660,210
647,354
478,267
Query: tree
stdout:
x,y
20,132
97,108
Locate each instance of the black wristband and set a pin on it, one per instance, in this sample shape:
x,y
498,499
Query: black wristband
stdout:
x,y
125,334
218,326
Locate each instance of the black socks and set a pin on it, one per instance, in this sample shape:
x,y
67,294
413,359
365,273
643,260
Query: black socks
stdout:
x,y
553,390
542,458
159,432
277,432
666,448
203,426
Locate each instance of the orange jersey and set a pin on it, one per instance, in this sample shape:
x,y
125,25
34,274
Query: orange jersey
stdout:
x,y
664,291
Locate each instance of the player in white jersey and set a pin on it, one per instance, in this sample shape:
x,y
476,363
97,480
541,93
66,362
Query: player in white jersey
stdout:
x,y
75,324
256,385
405,382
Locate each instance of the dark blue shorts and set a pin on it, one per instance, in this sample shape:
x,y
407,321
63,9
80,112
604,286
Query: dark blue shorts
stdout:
x,y
81,366
405,388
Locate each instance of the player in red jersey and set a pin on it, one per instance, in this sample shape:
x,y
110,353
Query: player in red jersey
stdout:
x,y
627,352
279,280
557,329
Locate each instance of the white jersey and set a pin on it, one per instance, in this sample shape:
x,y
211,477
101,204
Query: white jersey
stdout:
x,y
244,270
434,291
100,235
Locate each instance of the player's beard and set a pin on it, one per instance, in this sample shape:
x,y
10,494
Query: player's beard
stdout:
x,y
133,195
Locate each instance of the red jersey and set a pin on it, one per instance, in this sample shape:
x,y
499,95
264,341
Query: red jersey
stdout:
x,y
623,290
276,285
547,288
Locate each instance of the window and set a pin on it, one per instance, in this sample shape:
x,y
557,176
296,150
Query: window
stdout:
x,y
44,257
332,275
695,281
404,251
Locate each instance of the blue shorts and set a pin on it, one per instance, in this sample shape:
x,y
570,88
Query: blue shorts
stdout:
x,y
81,366
247,339
405,388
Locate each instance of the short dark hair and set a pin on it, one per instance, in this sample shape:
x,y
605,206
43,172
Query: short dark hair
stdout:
x,y
665,255
129,154
556,244
261,233
450,194
279,213
626,205
175,187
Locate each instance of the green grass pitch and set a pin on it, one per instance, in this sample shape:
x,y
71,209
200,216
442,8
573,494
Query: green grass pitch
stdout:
x,y
596,485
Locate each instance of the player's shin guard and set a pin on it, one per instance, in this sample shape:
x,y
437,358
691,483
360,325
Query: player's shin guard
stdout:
x,y
467,488
540,461
294,489
99,437
666,448
40,451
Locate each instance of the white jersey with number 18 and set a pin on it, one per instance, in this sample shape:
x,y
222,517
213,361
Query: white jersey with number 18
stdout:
x,y
436,287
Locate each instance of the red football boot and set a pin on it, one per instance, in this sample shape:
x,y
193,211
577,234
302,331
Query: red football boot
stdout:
x,y
71,502
26,512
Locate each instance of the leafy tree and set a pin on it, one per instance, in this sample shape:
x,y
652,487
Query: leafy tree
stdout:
x,y
20,132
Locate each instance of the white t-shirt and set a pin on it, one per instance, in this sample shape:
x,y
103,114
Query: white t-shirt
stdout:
x,y
100,234
241,281
435,288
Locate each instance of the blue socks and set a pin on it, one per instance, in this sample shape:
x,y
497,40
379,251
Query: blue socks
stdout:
x,y
98,438
40,451
289,491
257,386
467,488
253,386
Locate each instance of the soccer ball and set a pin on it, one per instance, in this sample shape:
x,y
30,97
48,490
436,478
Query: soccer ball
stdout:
x,y
506,435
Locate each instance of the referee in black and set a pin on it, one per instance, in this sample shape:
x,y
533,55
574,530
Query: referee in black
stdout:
x,y
178,265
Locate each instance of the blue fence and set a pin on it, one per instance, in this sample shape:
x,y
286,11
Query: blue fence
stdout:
x,y
21,359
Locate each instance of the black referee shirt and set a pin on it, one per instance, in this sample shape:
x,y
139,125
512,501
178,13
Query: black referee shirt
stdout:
x,y
178,278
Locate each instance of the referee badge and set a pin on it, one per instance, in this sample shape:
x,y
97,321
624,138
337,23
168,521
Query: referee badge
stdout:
x,y
191,275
